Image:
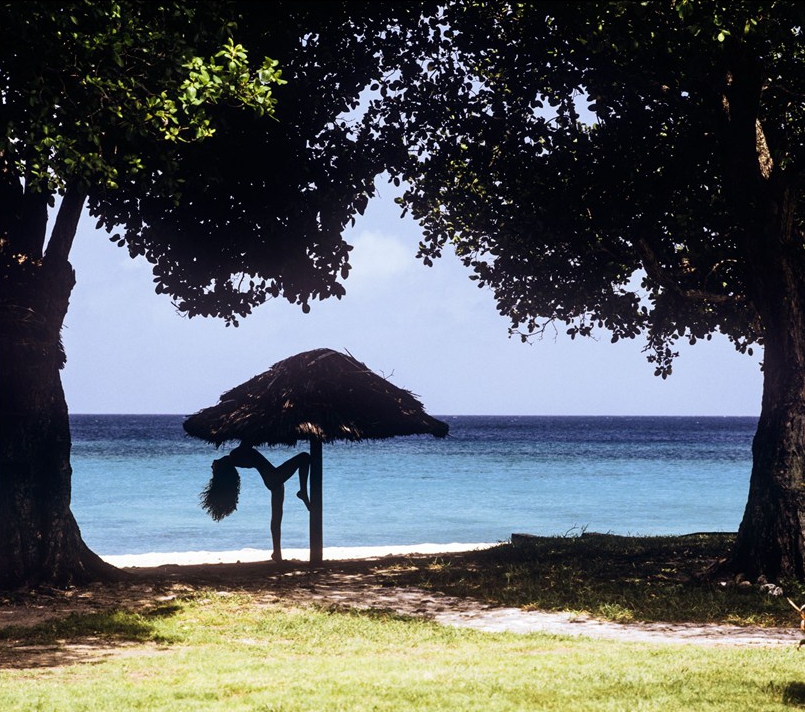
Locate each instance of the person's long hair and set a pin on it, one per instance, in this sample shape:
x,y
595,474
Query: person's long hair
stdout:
x,y
220,497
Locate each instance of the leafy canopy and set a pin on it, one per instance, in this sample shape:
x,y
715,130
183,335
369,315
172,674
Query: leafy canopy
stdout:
x,y
235,186
265,202
154,111
98,93
624,221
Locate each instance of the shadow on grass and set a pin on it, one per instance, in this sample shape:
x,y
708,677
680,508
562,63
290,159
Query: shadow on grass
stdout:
x,y
794,694
79,637
612,577
383,615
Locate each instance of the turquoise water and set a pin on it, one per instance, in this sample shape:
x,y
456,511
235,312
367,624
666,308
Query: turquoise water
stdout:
x,y
136,481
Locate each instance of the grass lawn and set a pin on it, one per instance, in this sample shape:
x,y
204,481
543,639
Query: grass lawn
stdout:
x,y
220,644
210,652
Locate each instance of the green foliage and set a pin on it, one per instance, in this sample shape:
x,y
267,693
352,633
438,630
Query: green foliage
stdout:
x,y
264,202
620,216
97,92
582,159
235,185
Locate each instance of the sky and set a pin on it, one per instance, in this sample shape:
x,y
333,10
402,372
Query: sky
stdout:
x,y
429,330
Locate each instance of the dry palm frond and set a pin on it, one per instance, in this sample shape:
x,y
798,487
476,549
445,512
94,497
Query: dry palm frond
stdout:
x,y
320,395
220,497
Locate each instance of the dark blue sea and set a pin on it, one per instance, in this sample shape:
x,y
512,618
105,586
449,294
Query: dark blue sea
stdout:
x,y
136,481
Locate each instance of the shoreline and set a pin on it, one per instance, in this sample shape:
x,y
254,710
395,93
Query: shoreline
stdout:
x,y
332,553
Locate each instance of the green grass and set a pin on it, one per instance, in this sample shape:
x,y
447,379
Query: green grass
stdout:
x,y
612,577
213,652
228,650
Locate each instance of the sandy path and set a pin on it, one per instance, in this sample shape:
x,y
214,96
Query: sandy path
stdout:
x,y
361,590
362,583
354,580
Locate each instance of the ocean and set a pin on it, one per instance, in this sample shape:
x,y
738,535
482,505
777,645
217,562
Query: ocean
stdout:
x,y
137,478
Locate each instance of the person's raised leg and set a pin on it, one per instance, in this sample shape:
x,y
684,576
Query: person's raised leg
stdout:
x,y
304,469
301,463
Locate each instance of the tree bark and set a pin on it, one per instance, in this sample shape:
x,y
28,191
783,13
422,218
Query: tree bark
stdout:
x,y
40,541
771,538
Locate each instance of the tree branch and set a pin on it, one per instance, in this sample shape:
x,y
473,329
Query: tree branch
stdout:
x,y
64,229
660,275
23,215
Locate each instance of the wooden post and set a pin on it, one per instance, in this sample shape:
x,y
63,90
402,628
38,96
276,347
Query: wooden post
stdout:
x,y
316,535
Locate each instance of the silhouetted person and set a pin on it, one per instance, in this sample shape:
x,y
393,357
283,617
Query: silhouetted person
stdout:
x,y
274,479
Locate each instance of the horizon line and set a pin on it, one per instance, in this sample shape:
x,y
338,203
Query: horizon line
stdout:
x,y
494,415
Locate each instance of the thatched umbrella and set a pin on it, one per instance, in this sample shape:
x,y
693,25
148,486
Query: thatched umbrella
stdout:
x,y
319,396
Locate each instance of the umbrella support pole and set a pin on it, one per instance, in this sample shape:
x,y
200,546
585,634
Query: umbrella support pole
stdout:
x,y
316,529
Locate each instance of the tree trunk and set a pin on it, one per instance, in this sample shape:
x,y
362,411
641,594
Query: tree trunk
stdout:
x,y
39,538
771,538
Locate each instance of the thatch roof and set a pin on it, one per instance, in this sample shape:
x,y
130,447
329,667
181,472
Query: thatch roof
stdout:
x,y
320,394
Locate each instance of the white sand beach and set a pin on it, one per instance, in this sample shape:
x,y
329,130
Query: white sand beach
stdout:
x,y
333,553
